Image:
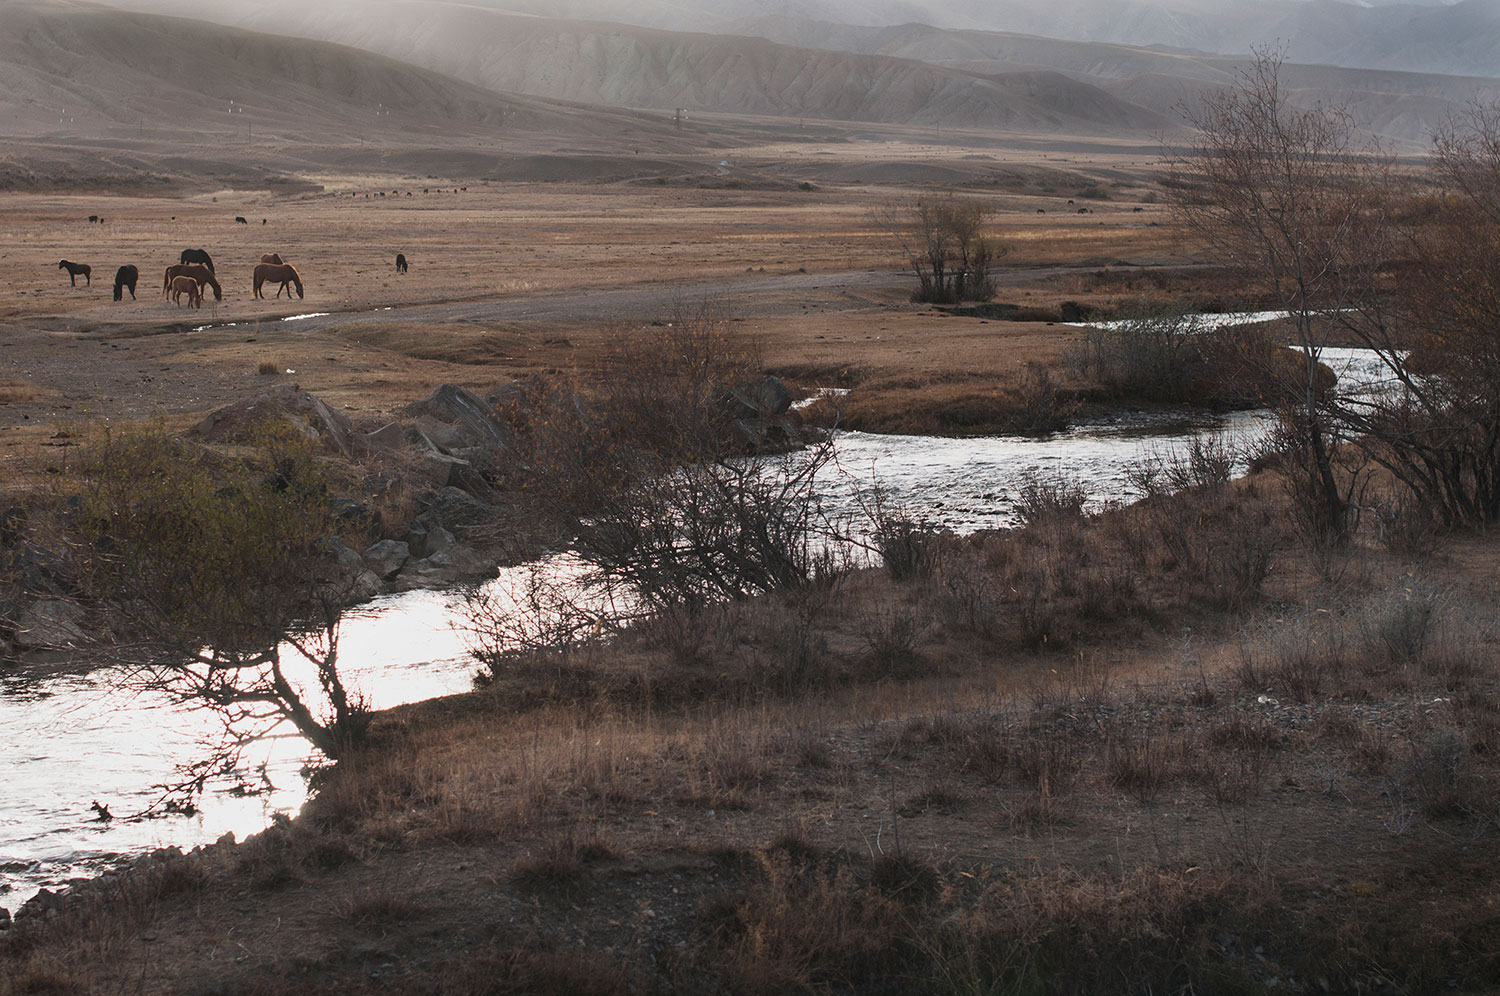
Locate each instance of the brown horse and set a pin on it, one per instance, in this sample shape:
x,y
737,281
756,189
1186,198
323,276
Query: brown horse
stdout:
x,y
186,285
273,258
198,272
125,278
283,274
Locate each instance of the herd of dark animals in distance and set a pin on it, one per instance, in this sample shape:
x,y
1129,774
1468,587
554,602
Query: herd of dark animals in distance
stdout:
x,y
195,270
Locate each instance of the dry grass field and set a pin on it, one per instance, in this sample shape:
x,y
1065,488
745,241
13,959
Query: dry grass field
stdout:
x,y
508,278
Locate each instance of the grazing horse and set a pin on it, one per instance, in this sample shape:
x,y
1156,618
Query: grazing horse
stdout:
x,y
240,221
283,274
199,272
188,286
274,258
400,262
125,277
196,256
76,270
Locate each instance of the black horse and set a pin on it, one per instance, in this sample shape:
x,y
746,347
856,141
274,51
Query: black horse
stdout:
x,y
76,270
196,256
125,277
400,262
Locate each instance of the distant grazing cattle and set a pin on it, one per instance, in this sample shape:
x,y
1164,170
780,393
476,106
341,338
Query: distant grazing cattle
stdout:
x,y
76,270
1041,210
93,217
262,221
125,278
240,221
1070,200
1083,211
196,256
188,286
400,262
1137,210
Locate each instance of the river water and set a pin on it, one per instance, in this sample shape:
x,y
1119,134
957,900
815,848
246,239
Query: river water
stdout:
x,y
69,740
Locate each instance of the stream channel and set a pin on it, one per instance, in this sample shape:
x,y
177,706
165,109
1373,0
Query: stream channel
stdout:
x,y
69,739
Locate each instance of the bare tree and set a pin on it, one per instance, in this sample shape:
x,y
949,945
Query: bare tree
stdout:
x,y
1436,425
1295,200
945,245
210,582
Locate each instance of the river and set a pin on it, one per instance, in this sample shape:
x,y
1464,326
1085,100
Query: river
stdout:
x,y
71,739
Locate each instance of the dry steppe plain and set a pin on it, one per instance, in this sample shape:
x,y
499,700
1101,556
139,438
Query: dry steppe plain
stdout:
x,y
1173,791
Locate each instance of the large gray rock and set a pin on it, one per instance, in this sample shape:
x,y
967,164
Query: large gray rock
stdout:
x,y
471,414
768,394
309,414
424,541
450,565
348,579
439,470
766,397
387,557
50,624
442,435
454,510
389,437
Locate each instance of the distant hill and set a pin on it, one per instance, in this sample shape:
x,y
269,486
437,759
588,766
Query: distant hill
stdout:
x,y
1460,38
630,66
1405,106
80,70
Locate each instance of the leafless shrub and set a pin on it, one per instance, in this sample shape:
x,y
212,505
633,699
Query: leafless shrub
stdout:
x,y
1206,462
1042,502
893,639
534,615
1403,628
1138,760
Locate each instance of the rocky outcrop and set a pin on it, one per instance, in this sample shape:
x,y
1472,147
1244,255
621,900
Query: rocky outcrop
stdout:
x,y
470,417
309,414
449,565
387,557
454,510
50,624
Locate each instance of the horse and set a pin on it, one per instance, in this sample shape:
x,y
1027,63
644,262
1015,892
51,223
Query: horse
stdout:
x,y
239,220
400,262
76,270
186,285
274,258
283,274
199,272
196,256
125,277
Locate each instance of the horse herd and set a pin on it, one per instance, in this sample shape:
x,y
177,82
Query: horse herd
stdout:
x,y
194,270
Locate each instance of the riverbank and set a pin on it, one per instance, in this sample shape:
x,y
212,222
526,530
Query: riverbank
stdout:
x,y
1066,739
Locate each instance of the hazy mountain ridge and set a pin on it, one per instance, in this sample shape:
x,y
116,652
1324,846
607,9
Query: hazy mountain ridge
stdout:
x,y
69,68
1461,38
617,64
1402,105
